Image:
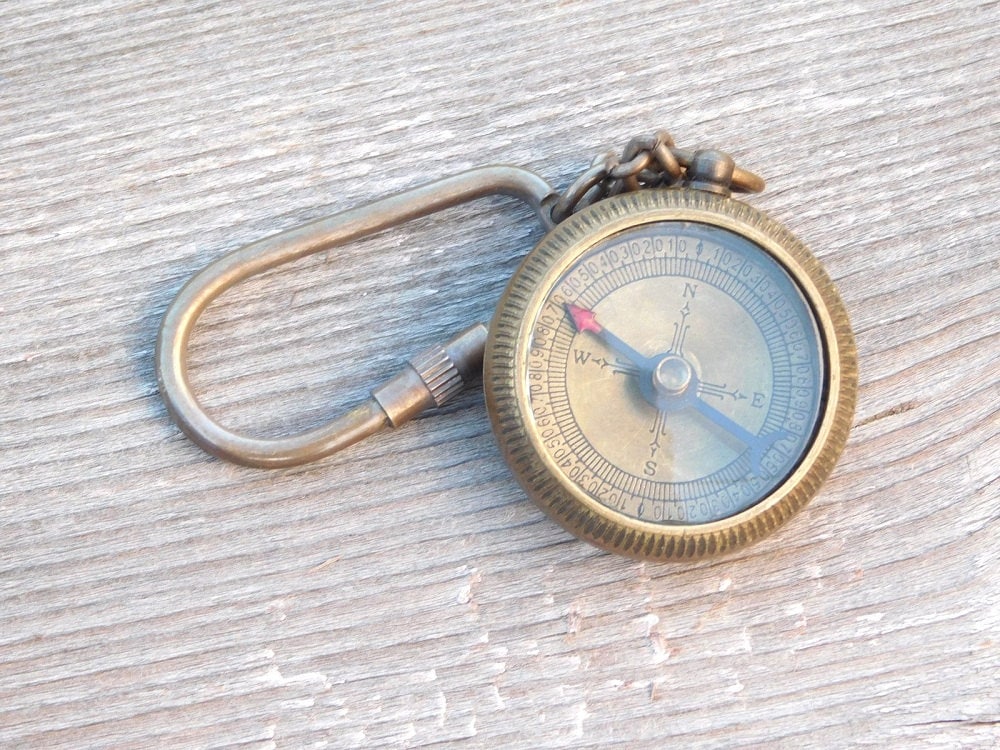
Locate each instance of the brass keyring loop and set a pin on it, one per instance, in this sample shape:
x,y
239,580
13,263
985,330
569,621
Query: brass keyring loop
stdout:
x,y
426,381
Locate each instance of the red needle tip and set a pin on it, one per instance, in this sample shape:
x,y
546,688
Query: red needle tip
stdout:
x,y
583,319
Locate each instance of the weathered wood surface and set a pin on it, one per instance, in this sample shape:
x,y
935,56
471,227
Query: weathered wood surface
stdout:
x,y
404,593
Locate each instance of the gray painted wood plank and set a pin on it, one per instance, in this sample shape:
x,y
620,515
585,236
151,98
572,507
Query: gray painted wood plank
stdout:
x,y
405,593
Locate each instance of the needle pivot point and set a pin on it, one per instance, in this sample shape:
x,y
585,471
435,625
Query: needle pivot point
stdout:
x,y
673,375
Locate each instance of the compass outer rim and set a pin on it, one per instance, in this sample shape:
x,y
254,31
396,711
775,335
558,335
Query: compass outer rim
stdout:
x,y
507,353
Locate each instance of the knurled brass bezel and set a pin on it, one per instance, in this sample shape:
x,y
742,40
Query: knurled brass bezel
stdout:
x,y
506,358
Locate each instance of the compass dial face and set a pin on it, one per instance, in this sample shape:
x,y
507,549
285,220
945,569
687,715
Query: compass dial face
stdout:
x,y
675,373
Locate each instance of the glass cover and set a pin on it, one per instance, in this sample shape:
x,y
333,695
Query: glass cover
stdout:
x,y
675,373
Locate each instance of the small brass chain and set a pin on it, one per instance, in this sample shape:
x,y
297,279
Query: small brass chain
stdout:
x,y
649,161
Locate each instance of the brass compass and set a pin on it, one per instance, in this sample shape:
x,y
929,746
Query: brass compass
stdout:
x,y
669,373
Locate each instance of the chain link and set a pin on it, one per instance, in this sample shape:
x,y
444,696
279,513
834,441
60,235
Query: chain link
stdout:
x,y
650,161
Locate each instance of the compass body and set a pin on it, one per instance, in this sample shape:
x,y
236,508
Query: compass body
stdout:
x,y
670,373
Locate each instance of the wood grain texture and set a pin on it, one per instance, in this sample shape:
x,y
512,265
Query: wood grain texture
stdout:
x,y
404,593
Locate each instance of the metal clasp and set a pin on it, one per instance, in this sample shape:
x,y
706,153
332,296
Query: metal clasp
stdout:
x,y
429,379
